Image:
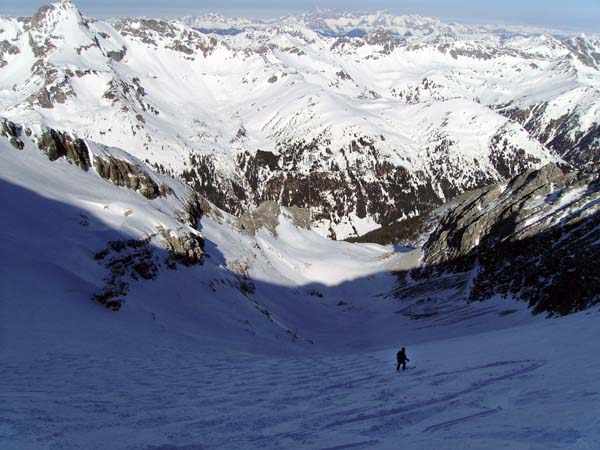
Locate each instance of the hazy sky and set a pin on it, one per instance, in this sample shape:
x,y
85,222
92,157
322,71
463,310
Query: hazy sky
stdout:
x,y
573,14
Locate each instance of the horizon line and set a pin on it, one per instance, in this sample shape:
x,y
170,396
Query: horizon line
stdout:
x,y
274,15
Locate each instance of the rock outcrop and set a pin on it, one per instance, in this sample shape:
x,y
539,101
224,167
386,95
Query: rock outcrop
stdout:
x,y
186,248
56,144
6,48
126,260
537,239
267,216
123,173
12,132
134,260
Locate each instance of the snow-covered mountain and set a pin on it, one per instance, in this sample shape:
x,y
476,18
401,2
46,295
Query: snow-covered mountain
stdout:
x,y
133,308
366,119
166,189
338,23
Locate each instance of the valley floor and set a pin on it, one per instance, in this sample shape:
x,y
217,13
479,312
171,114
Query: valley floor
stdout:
x,y
534,386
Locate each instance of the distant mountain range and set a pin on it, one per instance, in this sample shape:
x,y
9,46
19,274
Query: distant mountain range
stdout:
x,y
368,120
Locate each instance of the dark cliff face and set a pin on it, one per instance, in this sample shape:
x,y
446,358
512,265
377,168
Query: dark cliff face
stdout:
x,y
362,183
537,239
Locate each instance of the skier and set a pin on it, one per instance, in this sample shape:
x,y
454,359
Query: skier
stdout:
x,y
402,359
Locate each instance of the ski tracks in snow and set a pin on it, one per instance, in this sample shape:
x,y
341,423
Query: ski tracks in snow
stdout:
x,y
237,401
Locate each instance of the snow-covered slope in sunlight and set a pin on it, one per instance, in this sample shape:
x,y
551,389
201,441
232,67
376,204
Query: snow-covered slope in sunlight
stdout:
x,y
304,112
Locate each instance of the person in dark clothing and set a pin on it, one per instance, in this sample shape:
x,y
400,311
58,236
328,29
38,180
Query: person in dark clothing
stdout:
x,y
402,359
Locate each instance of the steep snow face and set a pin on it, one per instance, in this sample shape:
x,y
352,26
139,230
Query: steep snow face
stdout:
x,y
365,130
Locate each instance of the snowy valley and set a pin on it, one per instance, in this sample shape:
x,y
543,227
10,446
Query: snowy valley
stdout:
x,y
171,196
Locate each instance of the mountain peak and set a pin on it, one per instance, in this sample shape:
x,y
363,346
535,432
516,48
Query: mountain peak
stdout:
x,y
52,13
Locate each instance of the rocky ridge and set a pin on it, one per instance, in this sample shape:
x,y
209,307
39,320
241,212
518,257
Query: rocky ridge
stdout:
x,y
536,239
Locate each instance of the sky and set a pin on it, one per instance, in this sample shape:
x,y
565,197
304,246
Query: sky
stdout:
x,y
572,15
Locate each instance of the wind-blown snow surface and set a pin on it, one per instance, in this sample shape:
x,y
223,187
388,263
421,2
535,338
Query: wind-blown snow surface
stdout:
x,y
301,358
532,387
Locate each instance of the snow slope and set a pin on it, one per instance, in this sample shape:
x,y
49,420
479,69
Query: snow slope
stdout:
x,y
277,340
251,291
280,338
531,387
